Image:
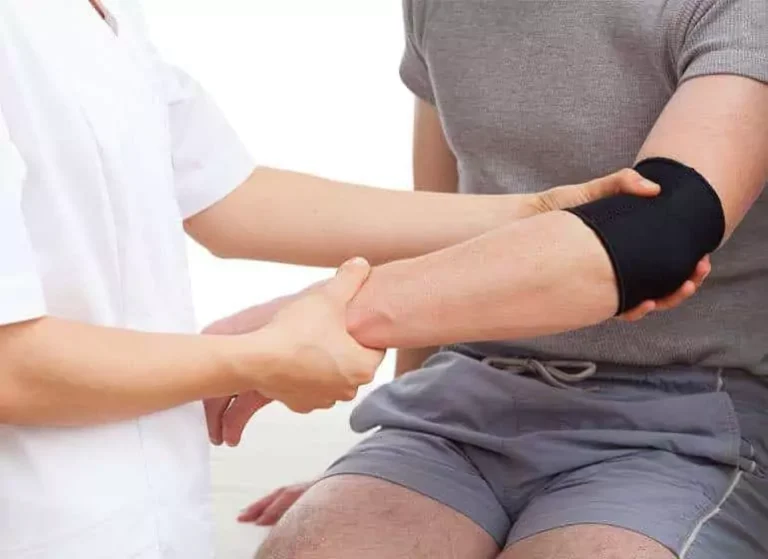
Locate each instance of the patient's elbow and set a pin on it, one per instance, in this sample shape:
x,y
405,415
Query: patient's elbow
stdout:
x,y
655,243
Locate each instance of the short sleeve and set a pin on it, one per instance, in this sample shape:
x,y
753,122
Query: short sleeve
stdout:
x,y
209,160
21,292
414,70
722,37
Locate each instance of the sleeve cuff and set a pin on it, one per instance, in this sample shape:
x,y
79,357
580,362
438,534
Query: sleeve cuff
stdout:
x,y
220,176
415,75
22,299
754,66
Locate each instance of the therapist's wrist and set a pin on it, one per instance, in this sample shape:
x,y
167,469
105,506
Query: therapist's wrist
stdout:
x,y
256,360
507,208
236,360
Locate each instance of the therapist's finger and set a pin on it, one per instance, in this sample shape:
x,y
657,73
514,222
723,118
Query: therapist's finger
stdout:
x,y
349,279
239,413
214,412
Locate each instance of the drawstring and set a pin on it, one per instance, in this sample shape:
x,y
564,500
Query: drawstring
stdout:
x,y
550,372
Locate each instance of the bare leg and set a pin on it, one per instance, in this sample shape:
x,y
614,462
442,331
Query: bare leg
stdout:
x,y
356,517
588,542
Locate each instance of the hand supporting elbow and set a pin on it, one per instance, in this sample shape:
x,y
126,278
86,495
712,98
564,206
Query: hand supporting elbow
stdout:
x,y
655,243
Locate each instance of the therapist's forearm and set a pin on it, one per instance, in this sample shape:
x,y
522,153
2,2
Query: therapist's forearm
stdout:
x,y
61,373
538,276
301,219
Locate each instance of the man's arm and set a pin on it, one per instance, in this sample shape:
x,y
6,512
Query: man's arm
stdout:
x,y
435,170
719,126
550,273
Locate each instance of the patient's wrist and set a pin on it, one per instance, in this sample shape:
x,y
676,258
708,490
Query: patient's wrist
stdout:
x,y
369,319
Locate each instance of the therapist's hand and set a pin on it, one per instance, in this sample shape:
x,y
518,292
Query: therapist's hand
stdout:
x,y
253,318
227,417
315,361
630,182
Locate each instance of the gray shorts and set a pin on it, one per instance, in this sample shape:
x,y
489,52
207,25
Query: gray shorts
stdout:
x,y
678,455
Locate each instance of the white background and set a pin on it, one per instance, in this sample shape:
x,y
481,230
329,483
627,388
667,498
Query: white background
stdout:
x,y
311,85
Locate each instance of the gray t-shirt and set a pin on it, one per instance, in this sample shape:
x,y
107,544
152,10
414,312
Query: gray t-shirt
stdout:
x,y
537,93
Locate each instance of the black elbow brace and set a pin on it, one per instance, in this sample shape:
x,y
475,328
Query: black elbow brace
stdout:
x,y
655,243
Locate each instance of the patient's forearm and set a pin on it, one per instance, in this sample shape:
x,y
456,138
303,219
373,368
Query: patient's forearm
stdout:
x,y
537,276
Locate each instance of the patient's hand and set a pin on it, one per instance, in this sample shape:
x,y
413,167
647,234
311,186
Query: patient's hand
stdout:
x,y
270,509
626,181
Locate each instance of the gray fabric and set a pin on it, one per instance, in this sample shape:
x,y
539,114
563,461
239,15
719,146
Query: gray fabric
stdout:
x,y
537,93
679,455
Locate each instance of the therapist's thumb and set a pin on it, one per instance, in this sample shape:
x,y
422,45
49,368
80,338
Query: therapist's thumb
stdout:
x,y
348,281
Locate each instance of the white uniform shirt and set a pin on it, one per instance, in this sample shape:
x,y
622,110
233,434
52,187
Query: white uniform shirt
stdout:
x,y
103,152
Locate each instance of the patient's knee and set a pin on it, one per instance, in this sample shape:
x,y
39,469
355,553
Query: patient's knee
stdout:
x,y
327,513
278,546
296,535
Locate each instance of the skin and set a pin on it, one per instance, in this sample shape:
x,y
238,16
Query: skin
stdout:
x,y
304,358
434,165
18,340
390,521
228,416
291,359
717,125
417,302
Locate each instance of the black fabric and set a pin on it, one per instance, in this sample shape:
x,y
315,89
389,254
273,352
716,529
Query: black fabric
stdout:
x,y
655,243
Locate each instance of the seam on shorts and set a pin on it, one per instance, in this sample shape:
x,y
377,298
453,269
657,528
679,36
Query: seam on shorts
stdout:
x,y
478,472
734,425
410,475
738,474
691,539
752,465
748,463
720,381
367,452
